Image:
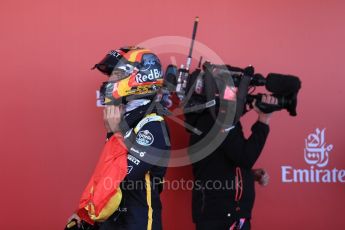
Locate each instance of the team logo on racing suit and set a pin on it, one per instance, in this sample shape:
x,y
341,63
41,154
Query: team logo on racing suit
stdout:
x,y
140,153
145,138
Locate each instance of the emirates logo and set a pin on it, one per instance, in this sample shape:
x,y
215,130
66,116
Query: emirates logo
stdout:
x,y
316,150
316,155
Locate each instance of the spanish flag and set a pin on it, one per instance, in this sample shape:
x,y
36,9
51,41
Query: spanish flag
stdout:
x,y
102,195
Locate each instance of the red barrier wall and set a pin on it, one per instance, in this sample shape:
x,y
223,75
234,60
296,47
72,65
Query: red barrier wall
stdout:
x,y
52,132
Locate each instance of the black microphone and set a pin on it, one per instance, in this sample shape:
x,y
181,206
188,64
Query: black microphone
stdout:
x,y
282,84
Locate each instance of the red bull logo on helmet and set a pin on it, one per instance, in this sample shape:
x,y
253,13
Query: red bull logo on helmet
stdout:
x,y
148,76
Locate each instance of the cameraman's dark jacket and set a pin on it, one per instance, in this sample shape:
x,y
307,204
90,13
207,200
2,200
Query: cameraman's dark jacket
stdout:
x,y
231,162
147,140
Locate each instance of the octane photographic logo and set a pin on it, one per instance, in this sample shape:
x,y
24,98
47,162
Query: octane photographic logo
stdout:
x,y
316,155
170,47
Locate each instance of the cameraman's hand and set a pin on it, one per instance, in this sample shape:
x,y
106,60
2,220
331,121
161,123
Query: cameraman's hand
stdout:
x,y
261,176
112,118
265,117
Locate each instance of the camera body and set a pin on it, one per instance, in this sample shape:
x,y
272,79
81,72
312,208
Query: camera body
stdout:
x,y
213,87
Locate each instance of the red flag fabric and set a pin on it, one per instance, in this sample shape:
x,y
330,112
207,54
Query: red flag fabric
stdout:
x,y
102,194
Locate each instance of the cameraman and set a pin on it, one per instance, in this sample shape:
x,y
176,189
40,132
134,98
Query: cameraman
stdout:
x,y
230,165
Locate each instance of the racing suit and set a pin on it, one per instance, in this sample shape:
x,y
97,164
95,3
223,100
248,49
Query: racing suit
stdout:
x,y
147,140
